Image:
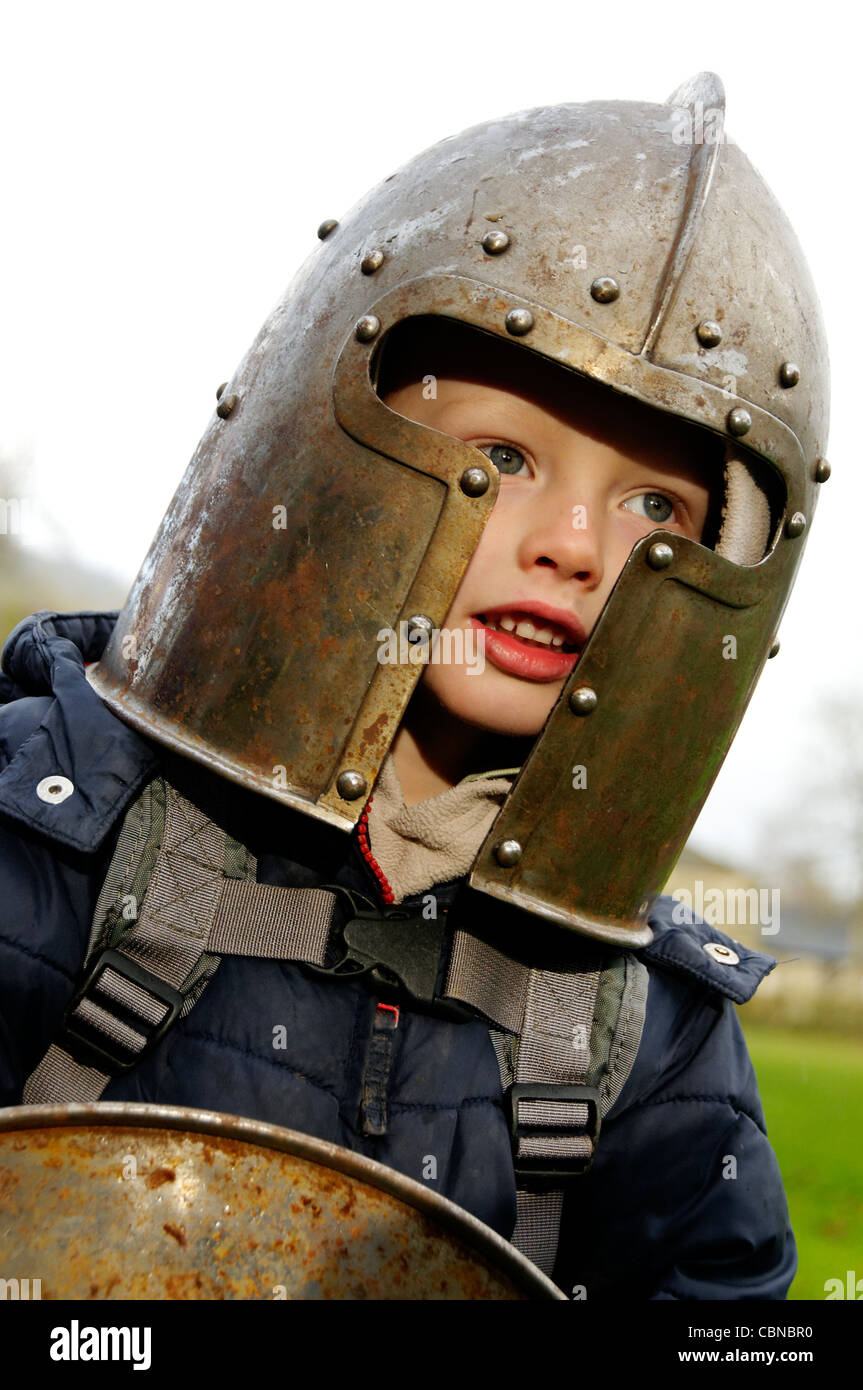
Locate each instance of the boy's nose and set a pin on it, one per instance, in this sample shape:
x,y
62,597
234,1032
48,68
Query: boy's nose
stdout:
x,y
568,535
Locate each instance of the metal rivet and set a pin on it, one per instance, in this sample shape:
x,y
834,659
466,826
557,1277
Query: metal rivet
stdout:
x,y
584,700
604,289
519,322
739,421
474,481
795,526
219,390
54,790
822,471
368,327
350,785
495,242
709,333
226,405
789,374
773,650
507,852
420,628
723,955
372,262
660,556
327,227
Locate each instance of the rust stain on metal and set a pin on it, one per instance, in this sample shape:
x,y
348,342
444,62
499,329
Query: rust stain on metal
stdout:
x,y
8,1183
371,735
160,1176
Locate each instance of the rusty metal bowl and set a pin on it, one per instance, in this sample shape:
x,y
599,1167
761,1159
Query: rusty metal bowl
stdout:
x,y
128,1201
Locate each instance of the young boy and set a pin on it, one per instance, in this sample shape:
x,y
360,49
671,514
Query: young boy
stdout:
x,y
499,413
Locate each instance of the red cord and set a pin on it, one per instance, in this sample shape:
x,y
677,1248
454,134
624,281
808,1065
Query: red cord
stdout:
x,y
365,850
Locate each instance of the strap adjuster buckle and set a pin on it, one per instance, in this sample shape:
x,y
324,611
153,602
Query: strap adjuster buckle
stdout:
x,y
89,1044
396,951
545,1167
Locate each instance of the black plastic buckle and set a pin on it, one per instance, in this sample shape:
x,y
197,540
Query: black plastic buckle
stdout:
x,y
79,1038
395,951
539,1167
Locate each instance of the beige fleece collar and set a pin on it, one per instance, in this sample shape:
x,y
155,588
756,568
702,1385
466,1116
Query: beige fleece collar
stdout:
x,y
435,840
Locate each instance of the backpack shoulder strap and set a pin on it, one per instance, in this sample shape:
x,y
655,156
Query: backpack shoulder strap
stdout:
x,y
566,1041
178,892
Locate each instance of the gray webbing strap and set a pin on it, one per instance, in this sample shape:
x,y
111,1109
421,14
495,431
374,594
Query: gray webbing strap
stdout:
x,y
551,1012
256,919
489,981
189,909
537,1226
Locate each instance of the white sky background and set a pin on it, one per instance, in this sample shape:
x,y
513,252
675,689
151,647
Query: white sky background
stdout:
x,y
165,168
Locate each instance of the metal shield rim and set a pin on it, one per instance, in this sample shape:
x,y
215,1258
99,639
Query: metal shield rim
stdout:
x,y
458,1223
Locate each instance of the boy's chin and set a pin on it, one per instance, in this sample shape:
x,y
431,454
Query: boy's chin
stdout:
x,y
519,713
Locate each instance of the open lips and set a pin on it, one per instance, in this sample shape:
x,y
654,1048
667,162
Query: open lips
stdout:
x,y
563,634
531,640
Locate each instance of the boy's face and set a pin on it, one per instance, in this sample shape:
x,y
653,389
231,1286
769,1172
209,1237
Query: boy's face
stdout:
x,y
584,475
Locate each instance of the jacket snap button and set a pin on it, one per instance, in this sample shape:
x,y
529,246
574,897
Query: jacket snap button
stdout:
x,y
722,954
54,789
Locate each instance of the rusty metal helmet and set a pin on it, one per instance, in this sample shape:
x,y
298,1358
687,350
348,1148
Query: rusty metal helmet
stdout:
x,y
634,245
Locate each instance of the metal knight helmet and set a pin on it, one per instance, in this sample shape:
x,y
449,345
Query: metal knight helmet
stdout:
x,y
633,245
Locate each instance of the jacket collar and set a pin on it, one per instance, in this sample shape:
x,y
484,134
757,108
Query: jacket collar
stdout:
x,y
73,766
687,945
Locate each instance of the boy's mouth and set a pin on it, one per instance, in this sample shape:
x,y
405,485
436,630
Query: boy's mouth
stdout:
x,y
529,644
535,631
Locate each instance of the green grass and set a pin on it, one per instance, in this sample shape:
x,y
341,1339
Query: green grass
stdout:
x,y
812,1089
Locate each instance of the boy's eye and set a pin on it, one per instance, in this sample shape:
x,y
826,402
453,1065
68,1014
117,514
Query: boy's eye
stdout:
x,y
505,457
653,506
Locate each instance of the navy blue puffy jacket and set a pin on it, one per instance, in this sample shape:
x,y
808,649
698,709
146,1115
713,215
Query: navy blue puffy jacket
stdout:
x,y
654,1217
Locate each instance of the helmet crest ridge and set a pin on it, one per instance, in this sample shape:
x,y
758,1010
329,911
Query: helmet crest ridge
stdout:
x,y
706,89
